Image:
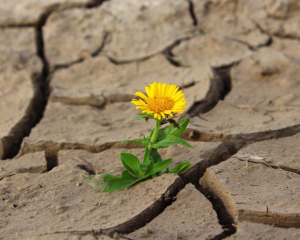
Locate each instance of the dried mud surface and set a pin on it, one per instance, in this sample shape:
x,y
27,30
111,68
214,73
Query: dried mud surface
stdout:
x,y
68,72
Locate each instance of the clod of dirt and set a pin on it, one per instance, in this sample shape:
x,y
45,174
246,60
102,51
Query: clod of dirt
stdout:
x,y
28,163
107,162
190,217
17,71
228,18
278,153
290,47
217,51
277,76
255,192
248,230
18,39
280,18
30,12
75,235
228,119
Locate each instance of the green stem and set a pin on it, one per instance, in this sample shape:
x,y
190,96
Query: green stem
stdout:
x,y
153,138
148,152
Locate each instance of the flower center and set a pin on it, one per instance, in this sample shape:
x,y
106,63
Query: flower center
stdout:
x,y
160,104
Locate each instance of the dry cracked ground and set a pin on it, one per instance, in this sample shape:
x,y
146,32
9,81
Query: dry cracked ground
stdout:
x,y
68,70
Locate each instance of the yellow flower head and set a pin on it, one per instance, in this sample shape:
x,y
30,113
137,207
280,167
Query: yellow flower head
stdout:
x,y
162,99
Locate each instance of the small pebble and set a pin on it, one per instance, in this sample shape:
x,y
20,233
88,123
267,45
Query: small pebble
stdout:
x,y
60,209
116,235
78,184
144,234
179,236
153,198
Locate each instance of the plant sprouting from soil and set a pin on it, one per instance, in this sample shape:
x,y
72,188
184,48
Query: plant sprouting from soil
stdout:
x,y
162,103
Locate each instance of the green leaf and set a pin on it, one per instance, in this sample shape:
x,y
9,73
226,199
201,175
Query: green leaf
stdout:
x,y
167,170
158,167
171,140
155,156
135,141
150,136
180,167
110,183
155,175
144,116
131,163
171,130
144,167
139,118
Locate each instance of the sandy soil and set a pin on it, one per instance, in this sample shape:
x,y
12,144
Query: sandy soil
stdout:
x,y
68,71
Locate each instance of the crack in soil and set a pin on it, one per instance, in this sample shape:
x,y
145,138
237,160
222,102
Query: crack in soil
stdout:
x,y
220,86
89,170
173,59
37,105
166,198
223,152
166,52
285,36
265,162
10,175
225,219
253,48
55,7
51,149
95,3
141,219
10,145
192,12
191,134
289,220
51,159
194,135
92,100
269,42
93,54
150,213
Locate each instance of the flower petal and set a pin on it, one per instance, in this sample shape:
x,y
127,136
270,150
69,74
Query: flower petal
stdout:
x,y
159,90
141,95
149,92
164,87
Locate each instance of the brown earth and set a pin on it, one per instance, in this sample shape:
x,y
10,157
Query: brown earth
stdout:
x,y
68,71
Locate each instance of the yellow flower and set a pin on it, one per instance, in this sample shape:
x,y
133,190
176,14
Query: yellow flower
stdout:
x,y
162,99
